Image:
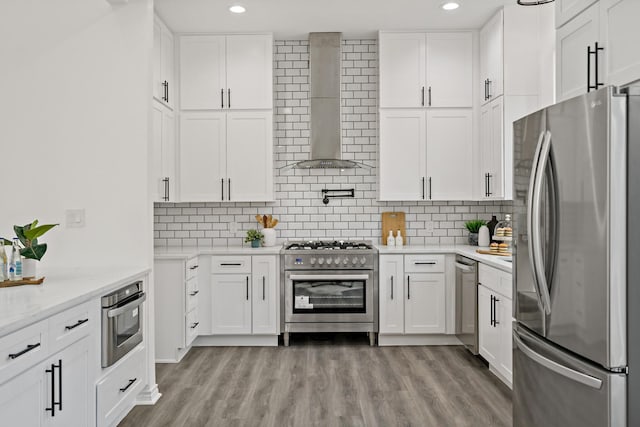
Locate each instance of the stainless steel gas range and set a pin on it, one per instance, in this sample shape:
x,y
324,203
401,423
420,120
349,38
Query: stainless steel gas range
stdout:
x,y
329,287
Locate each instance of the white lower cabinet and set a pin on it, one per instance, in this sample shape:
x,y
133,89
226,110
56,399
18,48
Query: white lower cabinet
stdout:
x,y
495,320
412,301
22,400
244,293
177,294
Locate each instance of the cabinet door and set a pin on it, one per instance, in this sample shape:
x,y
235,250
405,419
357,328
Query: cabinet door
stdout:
x,y
76,389
169,153
163,175
449,70
265,293
249,156
620,33
202,73
492,57
424,308
402,70
402,155
391,291
158,89
231,304
505,359
488,334
572,41
449,159
167,65
202,156
22,400
249,60
567,9
491,150
157,185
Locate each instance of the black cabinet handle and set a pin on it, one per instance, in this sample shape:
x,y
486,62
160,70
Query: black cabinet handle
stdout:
x,y
429,96
485,90
489,95
264,279
430,188
228,98
422,96
221,98
165,87
194,293
59,384
128,385
195,325
408,287
78,323
425,263
193,267
593,52
391,287
26,350
247,288
229,188
423,186
53,390
222,188
495,312
491,308
166,188
234,264
489,176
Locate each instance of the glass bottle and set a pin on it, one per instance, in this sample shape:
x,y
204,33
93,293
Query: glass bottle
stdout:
x,y
16,262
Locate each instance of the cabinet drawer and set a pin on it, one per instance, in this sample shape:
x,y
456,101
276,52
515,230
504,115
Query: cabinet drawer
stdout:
x,y
192,293
231,264
71,325
192,326
192,268
22,349
488,277
117,391
424,263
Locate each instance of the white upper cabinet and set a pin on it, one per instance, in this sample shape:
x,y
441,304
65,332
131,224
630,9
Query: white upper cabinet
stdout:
x,y
402,70
402,168
598,47
491,150
567,9
226,72
575,67
163,170
492,57
620,35
163,64
426,70
449,154
449,70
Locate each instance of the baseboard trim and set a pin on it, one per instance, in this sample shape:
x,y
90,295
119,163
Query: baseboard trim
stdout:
x,y
236,340
501,377
390,340
149,396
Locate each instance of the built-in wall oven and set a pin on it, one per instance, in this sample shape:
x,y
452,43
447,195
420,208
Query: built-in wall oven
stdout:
x,y
121,322
329,287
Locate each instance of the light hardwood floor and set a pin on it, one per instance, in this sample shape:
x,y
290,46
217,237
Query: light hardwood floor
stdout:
x,y
327,382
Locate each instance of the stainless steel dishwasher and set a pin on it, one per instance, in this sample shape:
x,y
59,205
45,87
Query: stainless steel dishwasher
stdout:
x,y
467,302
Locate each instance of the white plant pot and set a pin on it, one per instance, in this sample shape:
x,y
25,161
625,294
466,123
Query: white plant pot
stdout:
x,y
29,268
269,236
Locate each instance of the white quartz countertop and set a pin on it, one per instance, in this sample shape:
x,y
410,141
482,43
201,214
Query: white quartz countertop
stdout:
x,y
465,250
21,306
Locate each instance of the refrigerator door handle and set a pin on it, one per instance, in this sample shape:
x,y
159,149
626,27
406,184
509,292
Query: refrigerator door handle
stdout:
x,y
539,269
559,369
530,213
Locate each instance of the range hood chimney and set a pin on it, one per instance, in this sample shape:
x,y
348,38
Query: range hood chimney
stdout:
x,y
326,130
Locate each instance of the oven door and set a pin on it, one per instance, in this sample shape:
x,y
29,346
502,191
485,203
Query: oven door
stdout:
x,y
340,296
121,328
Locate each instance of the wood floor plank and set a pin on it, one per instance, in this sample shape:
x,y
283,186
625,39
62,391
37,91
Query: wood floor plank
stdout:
x,y
326,382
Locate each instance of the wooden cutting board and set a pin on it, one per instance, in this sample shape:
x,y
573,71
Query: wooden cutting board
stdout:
x,y
9,284
393,221
488,252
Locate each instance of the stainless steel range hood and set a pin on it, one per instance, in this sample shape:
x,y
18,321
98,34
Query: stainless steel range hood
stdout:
x,y
326,131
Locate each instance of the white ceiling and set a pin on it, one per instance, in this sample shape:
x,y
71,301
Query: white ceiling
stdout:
x,y
296,18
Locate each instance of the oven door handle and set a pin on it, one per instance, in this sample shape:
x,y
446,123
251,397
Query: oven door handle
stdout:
x,y
136,302
329,277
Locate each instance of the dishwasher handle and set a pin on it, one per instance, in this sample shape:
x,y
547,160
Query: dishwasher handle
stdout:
x,y
466,268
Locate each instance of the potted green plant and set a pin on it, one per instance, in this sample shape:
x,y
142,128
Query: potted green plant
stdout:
x,y
474,226
31,250
254,237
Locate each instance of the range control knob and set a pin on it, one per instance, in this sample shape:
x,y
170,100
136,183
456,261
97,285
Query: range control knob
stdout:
x,y
336,260
354,260
363,260
329,261
312,261
345,261
320,261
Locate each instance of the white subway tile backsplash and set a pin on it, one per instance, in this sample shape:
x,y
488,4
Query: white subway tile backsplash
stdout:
x,y
298,205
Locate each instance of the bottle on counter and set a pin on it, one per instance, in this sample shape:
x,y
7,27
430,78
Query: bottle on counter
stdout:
x,y
391,241
15,264
492,226
4,274
399,240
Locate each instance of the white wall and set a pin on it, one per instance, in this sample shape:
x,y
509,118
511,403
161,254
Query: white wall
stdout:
x,y
74,123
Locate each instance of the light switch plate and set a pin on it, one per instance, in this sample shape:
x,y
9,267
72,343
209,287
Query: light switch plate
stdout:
x,y
75,218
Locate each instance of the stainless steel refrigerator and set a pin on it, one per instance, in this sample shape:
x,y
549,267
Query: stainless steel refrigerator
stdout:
x,y
576,339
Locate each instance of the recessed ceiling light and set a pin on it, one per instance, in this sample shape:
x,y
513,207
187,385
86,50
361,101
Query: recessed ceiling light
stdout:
x,y
237,9
450,5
